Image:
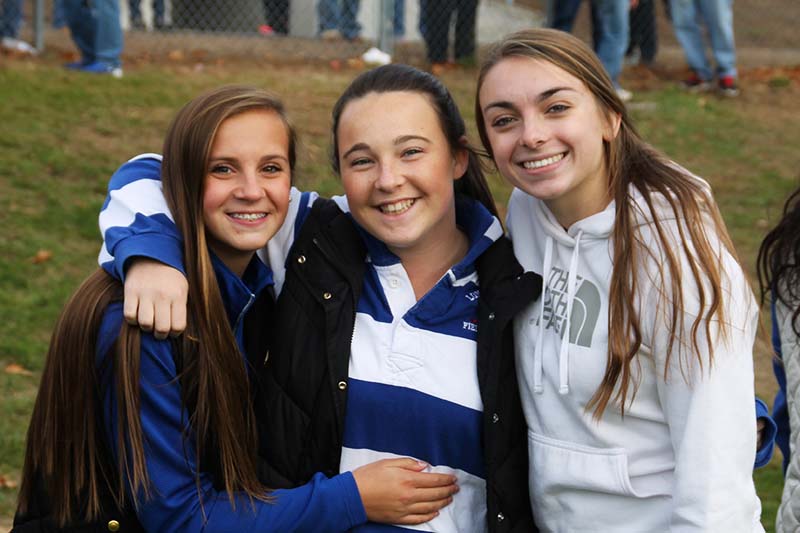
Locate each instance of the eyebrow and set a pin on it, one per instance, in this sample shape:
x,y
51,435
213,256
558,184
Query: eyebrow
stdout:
x,y
398,140
225,158
544,95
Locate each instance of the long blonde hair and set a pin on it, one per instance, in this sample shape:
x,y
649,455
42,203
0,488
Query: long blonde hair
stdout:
x,y
634,164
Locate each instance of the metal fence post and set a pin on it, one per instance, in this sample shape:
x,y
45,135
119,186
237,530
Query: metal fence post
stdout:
x,y
38,25
386,26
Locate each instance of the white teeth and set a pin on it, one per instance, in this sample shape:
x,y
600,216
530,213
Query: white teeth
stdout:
x,y
397,207
543,162
248,216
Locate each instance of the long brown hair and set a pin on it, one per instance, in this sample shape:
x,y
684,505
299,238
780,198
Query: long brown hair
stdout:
x,y
634,164
66,450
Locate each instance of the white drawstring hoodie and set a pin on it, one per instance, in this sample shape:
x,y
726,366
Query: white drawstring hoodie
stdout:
x,y
681,459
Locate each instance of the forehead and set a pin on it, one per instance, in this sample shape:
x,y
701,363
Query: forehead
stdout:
x,y
391,113
524,78
264,123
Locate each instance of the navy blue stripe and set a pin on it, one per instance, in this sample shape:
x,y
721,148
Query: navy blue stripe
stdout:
x,y
373,300
303,211
407,422
141,225
448,310
141,169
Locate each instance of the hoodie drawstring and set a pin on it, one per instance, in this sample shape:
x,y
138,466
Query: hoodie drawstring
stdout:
x,y
537,353
563,355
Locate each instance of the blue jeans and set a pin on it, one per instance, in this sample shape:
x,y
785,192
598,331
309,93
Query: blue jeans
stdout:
x,y
609,29
561,14
59,16
95,30
10,18
611,34
717,15
399,19
339,15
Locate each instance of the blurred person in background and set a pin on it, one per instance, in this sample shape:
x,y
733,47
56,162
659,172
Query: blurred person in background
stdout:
x,y
96,31
136,14
277,16
10,21
435,19
339,19
643,39
717,17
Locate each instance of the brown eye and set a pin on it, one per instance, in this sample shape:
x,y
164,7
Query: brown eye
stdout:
x,y
557,108
502,121
221,169
272,169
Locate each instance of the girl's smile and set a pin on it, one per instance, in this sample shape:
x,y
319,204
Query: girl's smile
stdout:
x,y
398,170
547,134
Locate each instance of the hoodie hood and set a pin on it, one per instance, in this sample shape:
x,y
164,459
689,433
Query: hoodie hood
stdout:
x,y
566,249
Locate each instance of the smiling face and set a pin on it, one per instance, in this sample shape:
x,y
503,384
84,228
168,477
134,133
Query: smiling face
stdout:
x,y
246,190
546,131
397,170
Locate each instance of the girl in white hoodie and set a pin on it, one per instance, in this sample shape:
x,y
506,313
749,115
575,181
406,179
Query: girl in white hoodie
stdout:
x,y
635,365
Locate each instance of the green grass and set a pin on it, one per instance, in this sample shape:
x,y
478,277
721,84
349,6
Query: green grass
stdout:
x,y
63,135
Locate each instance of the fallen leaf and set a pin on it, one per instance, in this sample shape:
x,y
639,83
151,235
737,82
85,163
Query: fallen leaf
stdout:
x,y
42,256
7,483
175,55
355,63
14,368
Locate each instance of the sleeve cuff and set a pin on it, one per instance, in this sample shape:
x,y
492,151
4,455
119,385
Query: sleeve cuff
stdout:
x,y
160,247
355,507
764,453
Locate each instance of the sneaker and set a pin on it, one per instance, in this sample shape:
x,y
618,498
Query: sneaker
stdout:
x,y
696,84
330,35
16,45
101,67
624,94
727,86
266,30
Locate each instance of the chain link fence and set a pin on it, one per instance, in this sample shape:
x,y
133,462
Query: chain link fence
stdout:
x,y
414,31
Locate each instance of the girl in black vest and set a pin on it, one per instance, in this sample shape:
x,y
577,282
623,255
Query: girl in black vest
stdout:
x,y
394,317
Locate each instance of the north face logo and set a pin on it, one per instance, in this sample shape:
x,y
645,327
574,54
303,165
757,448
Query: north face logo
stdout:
x,y
585,307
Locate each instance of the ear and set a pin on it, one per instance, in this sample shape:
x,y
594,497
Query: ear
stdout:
x,y
613,122
461,159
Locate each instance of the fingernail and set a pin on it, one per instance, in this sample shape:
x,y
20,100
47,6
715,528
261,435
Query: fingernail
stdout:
x,y
423,464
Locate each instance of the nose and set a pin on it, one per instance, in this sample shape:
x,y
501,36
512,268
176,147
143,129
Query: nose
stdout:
x,y
534,133
389,178
248,187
